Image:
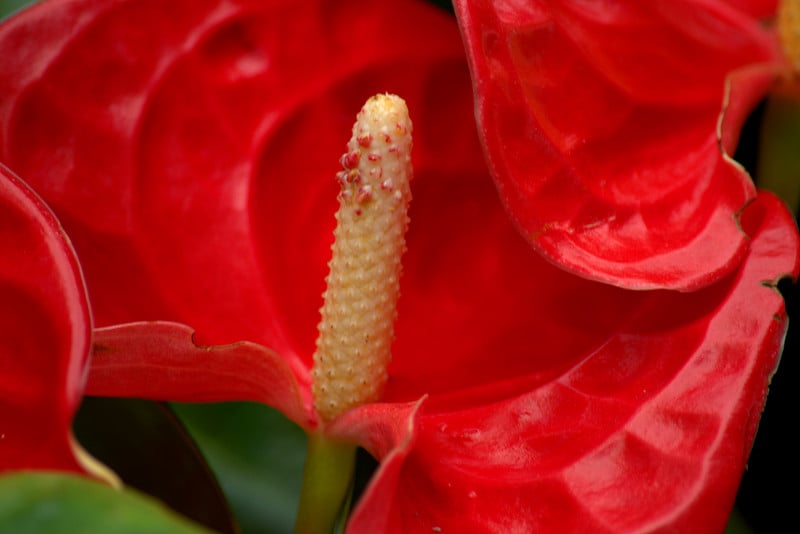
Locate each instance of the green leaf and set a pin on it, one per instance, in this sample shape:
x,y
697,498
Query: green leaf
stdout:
x,y
258,456
7,7
37,502
147,447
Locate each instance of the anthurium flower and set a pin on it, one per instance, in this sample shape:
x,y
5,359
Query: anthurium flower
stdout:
x,y
602,127
190,150
45,336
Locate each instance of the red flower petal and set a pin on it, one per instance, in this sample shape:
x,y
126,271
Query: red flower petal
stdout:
x,y
45,330
756,8
649,432
160,361
601,129
194,131
475,299
391,435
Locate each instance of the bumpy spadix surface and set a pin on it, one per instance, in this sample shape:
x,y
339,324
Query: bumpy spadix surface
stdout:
x,y
356,331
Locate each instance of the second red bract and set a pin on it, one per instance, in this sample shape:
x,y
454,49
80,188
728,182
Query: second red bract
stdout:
x,y
45,335
609,127
189,149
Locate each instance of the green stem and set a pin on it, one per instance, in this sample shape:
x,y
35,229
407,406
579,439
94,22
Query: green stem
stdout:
x,y
779,153
327,482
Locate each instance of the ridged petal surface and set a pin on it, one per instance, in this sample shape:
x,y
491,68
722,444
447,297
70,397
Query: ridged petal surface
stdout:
x,y
601,123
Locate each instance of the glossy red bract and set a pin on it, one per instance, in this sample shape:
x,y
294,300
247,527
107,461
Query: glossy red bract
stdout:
x,y
45,334
190,150
602,127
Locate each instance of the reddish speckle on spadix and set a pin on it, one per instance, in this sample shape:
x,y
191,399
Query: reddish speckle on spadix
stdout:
x,y
359,309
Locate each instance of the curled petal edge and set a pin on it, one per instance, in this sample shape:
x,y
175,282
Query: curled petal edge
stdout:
x,y
644,260
388,432
43,382
159,360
